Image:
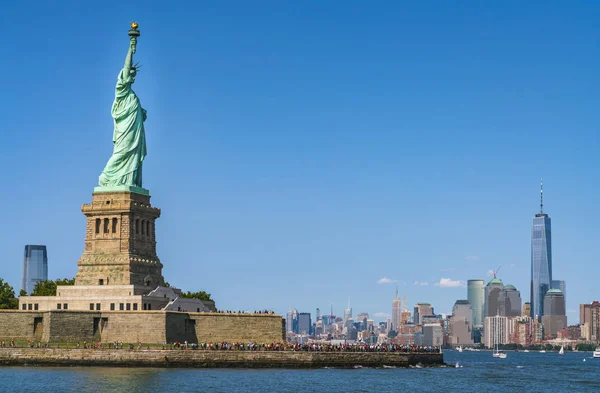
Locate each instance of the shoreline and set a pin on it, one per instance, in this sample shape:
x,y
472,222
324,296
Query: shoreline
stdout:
x,y
53,357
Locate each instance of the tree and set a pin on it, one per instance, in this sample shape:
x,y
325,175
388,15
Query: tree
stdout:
x,y
22,293
48,287
196,295
7,297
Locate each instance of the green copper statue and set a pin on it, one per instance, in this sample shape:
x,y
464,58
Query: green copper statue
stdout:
x,y
124,168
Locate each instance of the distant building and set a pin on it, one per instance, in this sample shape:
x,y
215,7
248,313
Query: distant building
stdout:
x,y
561,285
347,315
512,301
304,323
362,319
554,318
494,299
496,331
422,310
396,313
291,322
405,317
433,334
589,319
526,309
541,260
35,267
521,330
501,300
476,298
461,324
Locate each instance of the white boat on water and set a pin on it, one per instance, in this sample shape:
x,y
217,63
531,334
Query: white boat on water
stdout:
x,y
459,349
498,354
562,350
543,351
527,350
597,353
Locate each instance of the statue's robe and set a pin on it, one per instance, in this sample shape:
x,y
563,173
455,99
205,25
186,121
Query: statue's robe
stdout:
x,y
129,138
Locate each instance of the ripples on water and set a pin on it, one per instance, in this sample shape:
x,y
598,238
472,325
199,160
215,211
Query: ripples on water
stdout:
x,y
530,372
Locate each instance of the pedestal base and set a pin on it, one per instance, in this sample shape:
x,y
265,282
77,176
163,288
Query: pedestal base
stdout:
x,y
137,190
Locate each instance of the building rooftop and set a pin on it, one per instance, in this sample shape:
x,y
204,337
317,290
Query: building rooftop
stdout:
x,y
510,287
495,281
554,291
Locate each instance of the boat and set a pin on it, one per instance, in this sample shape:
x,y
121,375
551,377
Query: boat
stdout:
x,y
543,351
596,353
562,350
460,349
527,350
498,354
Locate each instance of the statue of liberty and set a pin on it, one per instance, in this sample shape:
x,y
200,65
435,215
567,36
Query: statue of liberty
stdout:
x,y
124,168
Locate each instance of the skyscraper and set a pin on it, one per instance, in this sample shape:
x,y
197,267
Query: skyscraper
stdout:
x,y
396,313
304,323
35,267
554,317
461,331
562,285
512,301
541,259
422,310
494,298
476,298
347,313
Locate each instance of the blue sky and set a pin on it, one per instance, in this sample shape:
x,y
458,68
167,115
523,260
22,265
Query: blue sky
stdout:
x,y
302,151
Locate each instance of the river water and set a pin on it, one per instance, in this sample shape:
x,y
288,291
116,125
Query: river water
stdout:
x,y
477,372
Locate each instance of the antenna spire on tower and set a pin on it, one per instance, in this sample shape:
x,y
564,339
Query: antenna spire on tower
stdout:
x,y
396,291
541,197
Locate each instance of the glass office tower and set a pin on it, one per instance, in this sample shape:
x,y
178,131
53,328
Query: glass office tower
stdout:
x,y
476,298
541,262
35,267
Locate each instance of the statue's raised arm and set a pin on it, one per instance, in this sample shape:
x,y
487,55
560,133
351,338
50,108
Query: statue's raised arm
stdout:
x,y
124,168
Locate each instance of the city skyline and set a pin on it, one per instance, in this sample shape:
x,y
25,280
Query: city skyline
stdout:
x,y
316,159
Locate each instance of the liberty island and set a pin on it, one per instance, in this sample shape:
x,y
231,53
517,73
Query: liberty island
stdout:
x,y
121,296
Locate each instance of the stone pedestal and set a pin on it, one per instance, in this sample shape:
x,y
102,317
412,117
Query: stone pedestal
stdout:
x,y
120,241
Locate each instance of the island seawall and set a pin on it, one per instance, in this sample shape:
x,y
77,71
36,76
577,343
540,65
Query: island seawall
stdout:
x,y
212,359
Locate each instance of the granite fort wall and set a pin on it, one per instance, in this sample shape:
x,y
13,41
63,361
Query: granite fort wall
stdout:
x,y
214,327
21,325
212,359
144,326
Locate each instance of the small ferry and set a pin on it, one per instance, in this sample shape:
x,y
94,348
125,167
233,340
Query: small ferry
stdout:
x,y
596,353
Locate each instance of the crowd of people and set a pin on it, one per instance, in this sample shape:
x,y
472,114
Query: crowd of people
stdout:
x,y
309,347
268,312
250,346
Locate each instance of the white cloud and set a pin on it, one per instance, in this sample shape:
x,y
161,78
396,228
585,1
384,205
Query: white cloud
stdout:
x,y
490,272
385,280
449,283
448,269
421,283
571,311
382,315
472,258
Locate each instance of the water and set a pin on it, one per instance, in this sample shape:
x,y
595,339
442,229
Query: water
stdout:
x,y
531,372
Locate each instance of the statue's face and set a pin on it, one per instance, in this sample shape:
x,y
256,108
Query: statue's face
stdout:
x,y
132,73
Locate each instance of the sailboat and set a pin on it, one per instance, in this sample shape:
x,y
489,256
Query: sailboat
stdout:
x,y
497,354
460,349
562,350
